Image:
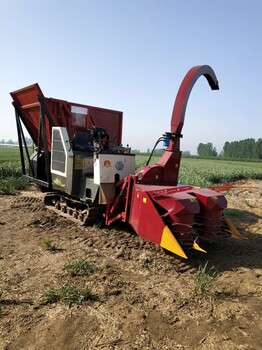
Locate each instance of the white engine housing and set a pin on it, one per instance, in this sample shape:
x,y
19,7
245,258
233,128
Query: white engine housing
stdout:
x,y
109,168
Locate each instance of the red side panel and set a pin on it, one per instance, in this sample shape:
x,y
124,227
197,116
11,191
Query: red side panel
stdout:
x,y
26,100
144,217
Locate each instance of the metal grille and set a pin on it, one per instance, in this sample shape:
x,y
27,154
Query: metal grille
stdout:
x,y
58,153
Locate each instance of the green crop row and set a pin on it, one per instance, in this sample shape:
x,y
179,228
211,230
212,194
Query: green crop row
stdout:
x,y
193,171
9,154
206,172
10,171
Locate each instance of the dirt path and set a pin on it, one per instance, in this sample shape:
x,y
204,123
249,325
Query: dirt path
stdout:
x,y
143,298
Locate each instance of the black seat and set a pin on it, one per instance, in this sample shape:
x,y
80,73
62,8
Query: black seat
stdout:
x,y
82,142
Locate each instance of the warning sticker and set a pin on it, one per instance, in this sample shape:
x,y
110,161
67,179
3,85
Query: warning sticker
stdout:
x,y
78,162
107,164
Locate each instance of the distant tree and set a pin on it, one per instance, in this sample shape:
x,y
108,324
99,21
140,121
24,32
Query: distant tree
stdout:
x,y
10,141
206,150
214,152
186,153
226,149
200,149
148,150
248,148
2,141
258,149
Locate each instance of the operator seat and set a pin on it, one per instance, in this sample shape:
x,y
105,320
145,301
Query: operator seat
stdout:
x,y
82,142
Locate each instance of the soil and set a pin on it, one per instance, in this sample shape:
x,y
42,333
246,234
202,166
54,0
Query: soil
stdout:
x,y
143,298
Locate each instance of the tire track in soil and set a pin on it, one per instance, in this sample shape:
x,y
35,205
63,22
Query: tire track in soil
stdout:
x,y
122,241
124,244
147,300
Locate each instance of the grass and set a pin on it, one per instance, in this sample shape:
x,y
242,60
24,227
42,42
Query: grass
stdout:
x,y
48,244
110,266
10,177
68,294
80,267
9,154
10,185
204,277
10,171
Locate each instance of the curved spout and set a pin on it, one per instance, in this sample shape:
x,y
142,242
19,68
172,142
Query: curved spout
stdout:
x,y
178,115
165,172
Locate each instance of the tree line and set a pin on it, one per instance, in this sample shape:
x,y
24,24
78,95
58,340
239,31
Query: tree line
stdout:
x,y
242,149
248,148
206,150
28,141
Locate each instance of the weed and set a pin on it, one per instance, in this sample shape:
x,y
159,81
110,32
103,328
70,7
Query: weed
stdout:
x,y
110,266
51,296
80,267
71,295
68,294
10,185
10,169
204,277
10,176
48,243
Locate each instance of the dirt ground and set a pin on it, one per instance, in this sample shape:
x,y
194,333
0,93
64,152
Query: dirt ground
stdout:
x,y
144,298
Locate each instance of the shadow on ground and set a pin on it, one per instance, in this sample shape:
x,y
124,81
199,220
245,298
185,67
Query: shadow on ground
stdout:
x,y
230,253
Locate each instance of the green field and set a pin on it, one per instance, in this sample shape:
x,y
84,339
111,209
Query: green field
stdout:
x,y
193,171
9,154
10,171
206,172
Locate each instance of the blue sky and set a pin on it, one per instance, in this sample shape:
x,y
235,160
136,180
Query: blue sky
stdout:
x,y
131,55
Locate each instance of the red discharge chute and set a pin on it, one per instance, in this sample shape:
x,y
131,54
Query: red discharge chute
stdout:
x,y
169,215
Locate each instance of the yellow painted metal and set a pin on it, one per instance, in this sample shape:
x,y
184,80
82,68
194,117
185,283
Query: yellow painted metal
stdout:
x,y
58,182
169,242
232,229
197,247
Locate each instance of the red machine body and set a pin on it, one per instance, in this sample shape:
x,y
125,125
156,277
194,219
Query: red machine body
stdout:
x,y
158,209
151,201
